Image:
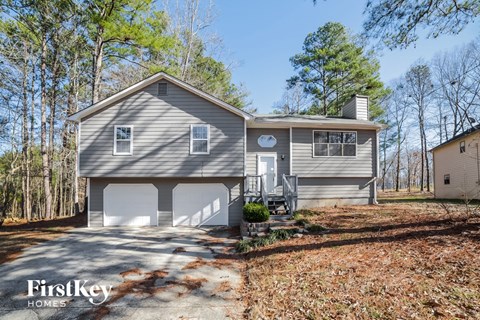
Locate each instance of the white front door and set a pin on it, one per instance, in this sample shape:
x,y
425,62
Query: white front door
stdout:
x,y
267,165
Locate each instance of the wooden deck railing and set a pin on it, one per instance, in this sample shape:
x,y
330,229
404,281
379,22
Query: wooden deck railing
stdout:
x,y
290,191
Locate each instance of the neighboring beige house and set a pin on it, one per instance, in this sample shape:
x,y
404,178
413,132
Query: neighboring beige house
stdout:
x,y
456,166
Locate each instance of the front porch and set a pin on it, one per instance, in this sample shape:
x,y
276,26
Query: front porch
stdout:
x,y
281,200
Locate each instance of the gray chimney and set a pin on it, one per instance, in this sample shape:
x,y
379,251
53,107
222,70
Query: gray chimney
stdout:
x,y
356,108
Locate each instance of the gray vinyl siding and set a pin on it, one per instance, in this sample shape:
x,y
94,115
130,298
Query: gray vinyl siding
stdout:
x,y
96,204
165,196
306,165
349,110
281,148
315,192
362,108
161,137
356,108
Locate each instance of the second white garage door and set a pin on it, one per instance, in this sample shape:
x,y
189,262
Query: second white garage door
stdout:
x,y
196,204
130,205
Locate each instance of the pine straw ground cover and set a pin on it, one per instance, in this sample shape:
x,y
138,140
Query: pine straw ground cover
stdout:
x,y
17,235
392,261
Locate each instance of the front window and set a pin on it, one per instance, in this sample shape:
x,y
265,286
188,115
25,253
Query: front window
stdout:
x,y
462,146
123,140
446,179
200,139
334,144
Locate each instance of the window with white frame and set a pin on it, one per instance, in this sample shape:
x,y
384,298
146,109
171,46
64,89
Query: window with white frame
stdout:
x,y
200,139
446,179
123,140
334,143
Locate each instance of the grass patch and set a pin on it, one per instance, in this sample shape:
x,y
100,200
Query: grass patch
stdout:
x,y
305,213
302,219
315,228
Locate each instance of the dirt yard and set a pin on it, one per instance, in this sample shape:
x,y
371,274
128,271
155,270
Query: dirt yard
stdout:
x,y
410,260
15,236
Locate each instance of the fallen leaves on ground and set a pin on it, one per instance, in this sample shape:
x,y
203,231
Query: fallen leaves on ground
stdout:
x,y
18,235
392,261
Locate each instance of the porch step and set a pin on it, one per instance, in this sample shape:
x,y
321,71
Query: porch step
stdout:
x,y
280,224
277,205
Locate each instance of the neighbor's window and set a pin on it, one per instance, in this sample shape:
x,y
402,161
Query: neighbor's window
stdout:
x,y
162,89
446,179
462,146
200,139
334,144
123,140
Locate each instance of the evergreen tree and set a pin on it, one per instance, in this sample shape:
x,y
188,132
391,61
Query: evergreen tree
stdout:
x,y
333,66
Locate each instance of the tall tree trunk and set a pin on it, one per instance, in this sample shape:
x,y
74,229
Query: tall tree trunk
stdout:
x,y
43,130
72,108
427,162
397,179
422,141
26,196
384,169
97,66
51,129
192,11
32,134
409,173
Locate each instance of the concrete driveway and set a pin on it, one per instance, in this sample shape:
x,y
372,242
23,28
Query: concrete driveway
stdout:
x,y
156,273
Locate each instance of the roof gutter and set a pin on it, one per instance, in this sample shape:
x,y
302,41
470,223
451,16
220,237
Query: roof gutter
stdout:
x,y
316,124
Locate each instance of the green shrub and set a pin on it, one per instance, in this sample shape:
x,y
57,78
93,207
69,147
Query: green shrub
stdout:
x,y
302,222
244,246
275,235
282,234
255,212
316,228
261,242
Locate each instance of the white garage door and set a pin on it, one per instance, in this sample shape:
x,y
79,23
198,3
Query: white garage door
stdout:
x,y
130,205
196,204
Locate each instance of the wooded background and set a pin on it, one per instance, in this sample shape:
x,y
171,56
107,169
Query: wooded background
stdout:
x,y
60,56
57,57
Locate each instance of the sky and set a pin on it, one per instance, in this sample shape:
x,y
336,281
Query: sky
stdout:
x,y
260,36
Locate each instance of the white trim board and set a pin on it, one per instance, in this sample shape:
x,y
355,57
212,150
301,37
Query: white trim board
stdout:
x,y
79,133
88,202
274,156
290,159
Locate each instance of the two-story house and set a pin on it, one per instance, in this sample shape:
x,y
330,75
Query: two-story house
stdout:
x,y
162,152
456,166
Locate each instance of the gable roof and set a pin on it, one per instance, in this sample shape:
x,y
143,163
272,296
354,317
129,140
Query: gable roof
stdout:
x,y
458,136
148,81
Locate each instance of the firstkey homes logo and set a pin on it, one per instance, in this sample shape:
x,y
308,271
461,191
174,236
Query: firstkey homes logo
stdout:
x,y
39,292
